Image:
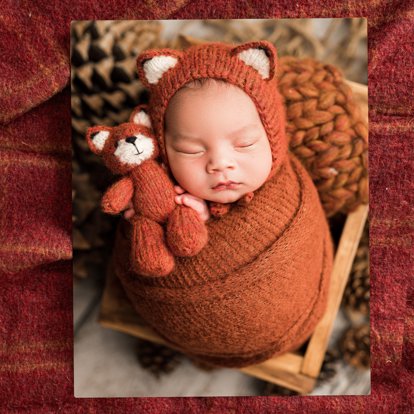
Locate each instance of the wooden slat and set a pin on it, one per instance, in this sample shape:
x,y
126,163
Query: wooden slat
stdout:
x,y
342,267
283,370
289,362
296,382
360,93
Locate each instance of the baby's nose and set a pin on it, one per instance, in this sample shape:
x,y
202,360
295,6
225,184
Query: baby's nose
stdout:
x,y
220,164
131,140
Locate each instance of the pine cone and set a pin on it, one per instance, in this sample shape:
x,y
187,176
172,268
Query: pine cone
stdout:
x,y
92,230
273,390
105,88
328,369
357,292
157,359
354,346
204,366
105,84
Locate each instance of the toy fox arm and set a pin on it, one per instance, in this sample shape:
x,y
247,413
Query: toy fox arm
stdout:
x,y
118,196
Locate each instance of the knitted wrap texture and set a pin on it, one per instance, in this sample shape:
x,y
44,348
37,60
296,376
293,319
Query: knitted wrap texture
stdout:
x,y
259,286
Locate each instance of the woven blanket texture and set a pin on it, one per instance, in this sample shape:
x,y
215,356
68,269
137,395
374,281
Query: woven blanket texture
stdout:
x,y
36,347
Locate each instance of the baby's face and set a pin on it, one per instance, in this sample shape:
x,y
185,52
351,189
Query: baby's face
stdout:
x,y
216,144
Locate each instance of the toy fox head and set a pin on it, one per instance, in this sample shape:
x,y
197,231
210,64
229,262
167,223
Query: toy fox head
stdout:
x,y
126,146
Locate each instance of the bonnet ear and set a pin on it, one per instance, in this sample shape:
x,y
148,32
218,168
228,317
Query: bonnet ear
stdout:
x,y
153,64
261,56
96,137
140,116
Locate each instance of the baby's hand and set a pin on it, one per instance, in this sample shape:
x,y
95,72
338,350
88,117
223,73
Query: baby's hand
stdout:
x,y
129,212
197,204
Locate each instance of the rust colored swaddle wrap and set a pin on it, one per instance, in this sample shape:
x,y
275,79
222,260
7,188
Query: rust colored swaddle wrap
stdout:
x,y
260,285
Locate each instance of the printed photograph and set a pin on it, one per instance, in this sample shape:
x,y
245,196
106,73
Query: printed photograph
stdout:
x,y
220,207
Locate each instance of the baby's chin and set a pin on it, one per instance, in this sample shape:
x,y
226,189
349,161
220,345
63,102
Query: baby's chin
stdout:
x,y
225,197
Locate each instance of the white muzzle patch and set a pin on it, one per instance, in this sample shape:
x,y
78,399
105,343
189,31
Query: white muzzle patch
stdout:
x,y
135,153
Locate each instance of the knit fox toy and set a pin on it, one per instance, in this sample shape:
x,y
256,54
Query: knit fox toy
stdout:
x,y
131,149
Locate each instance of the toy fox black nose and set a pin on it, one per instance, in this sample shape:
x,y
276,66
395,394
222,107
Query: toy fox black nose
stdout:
x,y
131,140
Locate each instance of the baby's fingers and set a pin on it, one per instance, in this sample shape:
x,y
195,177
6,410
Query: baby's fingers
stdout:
x,y
129,213
197,205
178,189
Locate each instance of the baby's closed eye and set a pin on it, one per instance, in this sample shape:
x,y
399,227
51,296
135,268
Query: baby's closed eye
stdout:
x,y
246,143
189,150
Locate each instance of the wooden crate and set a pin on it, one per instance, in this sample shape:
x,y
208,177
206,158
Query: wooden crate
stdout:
x,y
291,370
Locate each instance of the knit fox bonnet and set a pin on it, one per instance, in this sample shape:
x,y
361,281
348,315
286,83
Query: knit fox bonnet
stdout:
x,y
250,66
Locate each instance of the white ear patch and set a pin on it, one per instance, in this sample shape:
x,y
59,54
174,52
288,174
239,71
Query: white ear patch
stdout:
x,y
157,66
99,139
141,118
257,59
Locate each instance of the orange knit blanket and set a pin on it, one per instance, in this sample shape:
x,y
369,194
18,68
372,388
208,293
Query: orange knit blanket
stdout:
x,y
256,290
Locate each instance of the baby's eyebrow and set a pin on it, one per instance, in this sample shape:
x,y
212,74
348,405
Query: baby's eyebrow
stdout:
x,y
182,137
245,128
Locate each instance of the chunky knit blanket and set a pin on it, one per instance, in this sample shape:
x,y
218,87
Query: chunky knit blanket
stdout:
x,y
256,290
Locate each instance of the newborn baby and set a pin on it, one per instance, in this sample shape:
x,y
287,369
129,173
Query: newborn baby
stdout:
x,y
260,285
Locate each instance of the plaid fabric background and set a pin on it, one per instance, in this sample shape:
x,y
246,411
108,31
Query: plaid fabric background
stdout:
x,y
36,366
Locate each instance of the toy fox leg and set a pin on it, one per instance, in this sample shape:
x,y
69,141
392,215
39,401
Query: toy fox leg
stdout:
x,y
186,232
149,253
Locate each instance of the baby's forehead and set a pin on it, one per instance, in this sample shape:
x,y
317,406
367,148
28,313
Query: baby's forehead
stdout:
x,y
193,89
228,102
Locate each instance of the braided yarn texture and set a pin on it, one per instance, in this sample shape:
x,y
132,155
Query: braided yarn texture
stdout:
x,y
326,132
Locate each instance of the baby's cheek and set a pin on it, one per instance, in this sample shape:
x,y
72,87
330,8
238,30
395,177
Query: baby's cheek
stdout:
x,y
175,165
187,172
257,168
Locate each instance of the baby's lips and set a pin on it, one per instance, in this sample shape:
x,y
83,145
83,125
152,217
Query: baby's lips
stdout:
x,y
226,185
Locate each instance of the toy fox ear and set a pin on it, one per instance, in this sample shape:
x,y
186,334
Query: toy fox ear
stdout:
x,y
153,64
261,56
96,137
140,116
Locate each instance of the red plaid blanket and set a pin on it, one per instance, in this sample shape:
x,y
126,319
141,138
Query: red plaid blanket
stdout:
x,y
36,369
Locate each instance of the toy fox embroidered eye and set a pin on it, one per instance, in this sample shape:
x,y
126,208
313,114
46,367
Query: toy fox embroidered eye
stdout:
x,y
131,149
